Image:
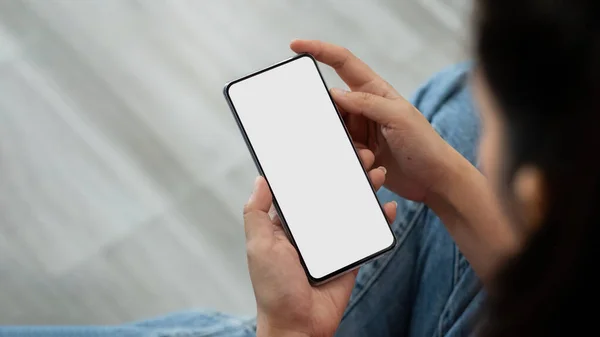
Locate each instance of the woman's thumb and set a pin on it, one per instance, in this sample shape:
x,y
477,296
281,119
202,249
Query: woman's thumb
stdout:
x,y
257,222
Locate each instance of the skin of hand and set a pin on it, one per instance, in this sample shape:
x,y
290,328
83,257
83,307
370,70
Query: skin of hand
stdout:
x,y
377,116
287,305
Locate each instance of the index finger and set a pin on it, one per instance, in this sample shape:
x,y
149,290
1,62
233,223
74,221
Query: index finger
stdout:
x,y
357,74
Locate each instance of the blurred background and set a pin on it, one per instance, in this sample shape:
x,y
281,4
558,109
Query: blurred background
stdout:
x,y
122,172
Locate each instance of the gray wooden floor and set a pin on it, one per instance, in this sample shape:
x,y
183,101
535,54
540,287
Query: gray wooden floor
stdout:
x,y
122,173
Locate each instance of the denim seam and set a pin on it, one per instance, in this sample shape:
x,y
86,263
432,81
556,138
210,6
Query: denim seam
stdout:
x,y
446,310
384,265
449,308
455,280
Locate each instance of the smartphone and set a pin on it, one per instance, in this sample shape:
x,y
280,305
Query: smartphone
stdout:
x,y
301,146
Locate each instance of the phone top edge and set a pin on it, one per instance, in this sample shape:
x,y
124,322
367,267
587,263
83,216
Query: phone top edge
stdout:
x,y
258,72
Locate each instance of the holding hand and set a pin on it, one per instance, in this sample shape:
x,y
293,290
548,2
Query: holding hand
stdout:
x,y
287,305
389,131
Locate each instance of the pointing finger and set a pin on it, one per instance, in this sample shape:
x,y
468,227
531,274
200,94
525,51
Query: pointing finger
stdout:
x,y
357,74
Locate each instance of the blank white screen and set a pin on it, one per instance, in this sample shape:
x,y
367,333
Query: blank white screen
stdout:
x,y
308,160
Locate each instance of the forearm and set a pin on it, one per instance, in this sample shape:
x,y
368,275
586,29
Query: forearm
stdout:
x,y
469,209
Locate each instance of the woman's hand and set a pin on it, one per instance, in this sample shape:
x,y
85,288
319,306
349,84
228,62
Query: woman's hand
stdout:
x,y
421,165
378,117
287,305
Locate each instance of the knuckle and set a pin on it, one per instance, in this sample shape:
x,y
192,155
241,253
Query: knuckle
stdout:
x,y
346,54
248,210
402,103
365,99
249,215
407,106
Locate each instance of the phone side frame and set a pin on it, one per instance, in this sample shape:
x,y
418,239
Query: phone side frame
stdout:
x,y
343,270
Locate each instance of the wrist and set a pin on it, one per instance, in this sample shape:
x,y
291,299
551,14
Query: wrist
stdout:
x,y
453,168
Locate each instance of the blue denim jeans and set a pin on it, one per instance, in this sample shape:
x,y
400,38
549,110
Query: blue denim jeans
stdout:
x,y
423,288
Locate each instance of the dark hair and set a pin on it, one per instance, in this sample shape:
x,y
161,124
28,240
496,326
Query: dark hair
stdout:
x,y
541,60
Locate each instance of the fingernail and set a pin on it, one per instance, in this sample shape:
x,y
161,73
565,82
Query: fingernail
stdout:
x,y
383,169
338,92
395,204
